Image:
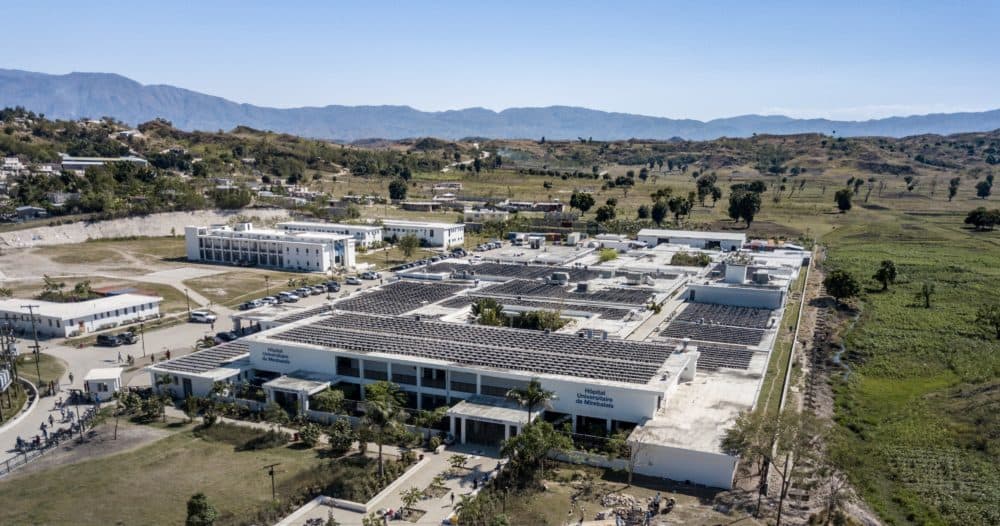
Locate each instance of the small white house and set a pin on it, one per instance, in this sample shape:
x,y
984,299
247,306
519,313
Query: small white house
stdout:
x,y
103,383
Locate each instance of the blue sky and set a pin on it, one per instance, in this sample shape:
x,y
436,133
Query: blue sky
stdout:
x,y
845,60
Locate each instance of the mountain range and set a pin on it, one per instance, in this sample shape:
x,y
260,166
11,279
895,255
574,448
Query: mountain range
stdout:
x,y
93,95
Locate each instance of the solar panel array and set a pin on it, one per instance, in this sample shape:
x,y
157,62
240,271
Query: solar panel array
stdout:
x,y
608,313
207,359
751,317
716,355
713,333
538,289
507,270
308,313
399,297
530,351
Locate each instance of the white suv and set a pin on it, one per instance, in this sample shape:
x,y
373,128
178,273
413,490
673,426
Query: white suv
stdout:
x,y
202,316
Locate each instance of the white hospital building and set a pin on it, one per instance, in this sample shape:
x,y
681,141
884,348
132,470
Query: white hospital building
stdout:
x,y
676,385
242,244
435,235
364,235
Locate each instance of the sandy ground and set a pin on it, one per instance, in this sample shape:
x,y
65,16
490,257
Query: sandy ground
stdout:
x,y
151,225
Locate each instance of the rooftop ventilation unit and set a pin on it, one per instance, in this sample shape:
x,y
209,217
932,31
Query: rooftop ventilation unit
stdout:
x,y
559,278
582,287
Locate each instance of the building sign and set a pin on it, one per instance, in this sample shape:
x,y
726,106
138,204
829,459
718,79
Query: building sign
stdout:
x,y
275,355
596,398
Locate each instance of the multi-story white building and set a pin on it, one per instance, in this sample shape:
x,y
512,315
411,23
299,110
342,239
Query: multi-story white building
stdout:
x,y
443,235
364,235
72,318
480,215
244,245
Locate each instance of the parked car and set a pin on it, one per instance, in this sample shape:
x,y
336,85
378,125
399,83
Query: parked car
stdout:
x,y
128,338
303,292
202,316
370,275
252,304
319,289
332,286
288,297
352,281
108,340
225,336
269,300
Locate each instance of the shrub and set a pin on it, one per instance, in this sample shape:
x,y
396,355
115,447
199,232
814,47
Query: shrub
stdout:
x,y
266,440
608,254
341,436
309,434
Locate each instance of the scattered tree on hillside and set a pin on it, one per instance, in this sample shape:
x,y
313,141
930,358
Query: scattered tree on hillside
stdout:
x,y
886,274
983,189
706,187
605,213
659,212
841,285
643,212
989,316
582,201
744,204
843,199
927,290
953,185
983,219
397,190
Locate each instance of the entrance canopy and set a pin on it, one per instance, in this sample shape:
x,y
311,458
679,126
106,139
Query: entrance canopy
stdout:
x,y
492,409
301,382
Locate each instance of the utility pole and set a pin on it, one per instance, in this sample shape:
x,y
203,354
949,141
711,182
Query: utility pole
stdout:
x,y
270,471
188,298
267,284
142,337
37,348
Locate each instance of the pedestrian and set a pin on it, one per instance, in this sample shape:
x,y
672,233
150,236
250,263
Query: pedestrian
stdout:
x,y
119,357
212,324
51,420
71,377
475,483
453,499
167,354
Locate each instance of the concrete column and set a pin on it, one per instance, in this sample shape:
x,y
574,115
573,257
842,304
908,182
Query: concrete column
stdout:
x,y
388,371
464,433
479,384
608,422
506,431
420,400
304,402
451,424
574,423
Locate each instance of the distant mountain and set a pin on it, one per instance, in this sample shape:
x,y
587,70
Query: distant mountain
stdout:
x,y
95,95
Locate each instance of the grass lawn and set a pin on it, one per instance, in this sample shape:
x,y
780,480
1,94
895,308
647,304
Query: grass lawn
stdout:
x,y
151,485
237,286
116,252
17,399
777,367
50,367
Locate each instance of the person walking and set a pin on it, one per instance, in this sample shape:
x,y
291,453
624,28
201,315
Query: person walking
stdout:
x,y
453,499
51,420
119,357
71,377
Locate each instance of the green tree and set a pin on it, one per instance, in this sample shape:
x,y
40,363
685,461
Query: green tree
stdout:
x,y
983,189
428,419
310,434
744,204
531,396
926,292
643,212
200,512
384,415
330,401
409,244
989,315
6,292
983,219
397,190
659,211
489,311
340,436
841,285
843,199
953,185
582,201
528,451
886,274
604,213
410,498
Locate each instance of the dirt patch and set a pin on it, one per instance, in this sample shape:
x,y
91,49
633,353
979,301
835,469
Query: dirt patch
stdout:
x,y
98,442
758,229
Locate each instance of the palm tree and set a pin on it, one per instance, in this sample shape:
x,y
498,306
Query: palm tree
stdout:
x,y
531,396
384,415
411,497
428,419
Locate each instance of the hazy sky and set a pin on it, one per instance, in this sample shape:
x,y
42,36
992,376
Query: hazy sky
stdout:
x,y
844,60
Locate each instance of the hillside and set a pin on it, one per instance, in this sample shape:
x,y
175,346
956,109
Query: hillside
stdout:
x,y
95,95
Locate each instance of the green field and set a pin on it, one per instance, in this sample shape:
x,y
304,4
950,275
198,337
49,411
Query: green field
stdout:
x,y
919,407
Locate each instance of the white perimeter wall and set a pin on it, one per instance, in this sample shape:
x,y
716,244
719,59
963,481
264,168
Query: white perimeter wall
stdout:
x,y
710,469
738,296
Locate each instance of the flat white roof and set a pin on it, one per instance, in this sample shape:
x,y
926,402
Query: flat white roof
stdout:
x,y
346,226
420,224
106,373
77,309
692,234
281,235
